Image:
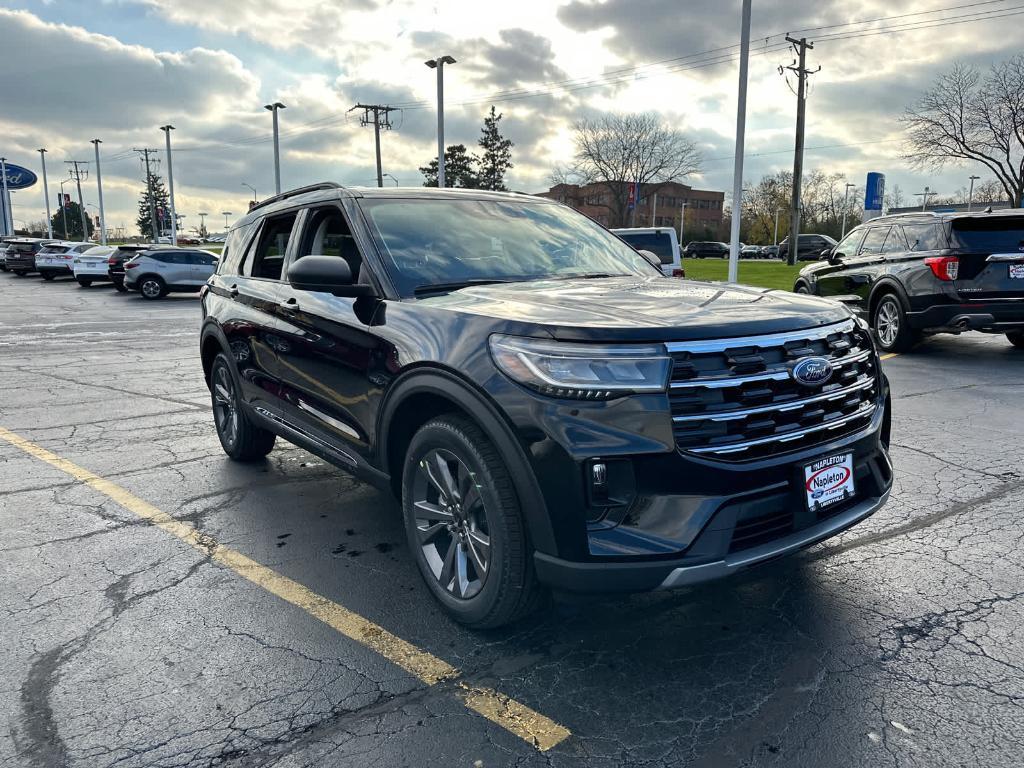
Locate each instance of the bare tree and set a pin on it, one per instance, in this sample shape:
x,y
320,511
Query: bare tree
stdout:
x,y
615,150
969,118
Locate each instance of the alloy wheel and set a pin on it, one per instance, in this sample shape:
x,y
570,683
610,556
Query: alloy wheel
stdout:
x,y
451,523
225,412
887,322
150,289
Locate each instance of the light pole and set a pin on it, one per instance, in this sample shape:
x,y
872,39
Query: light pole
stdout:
x,y
970,195
226,214
924,197
438,64
64,209
846,205
99,188
46,195
776,238
5,202
277,150
741,125
392,178
170,183
250,186
202,224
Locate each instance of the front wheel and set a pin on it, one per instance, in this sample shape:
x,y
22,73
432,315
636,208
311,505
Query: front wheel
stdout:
x,y
152,288
1016,338
802,288
239,437
892,329
465,526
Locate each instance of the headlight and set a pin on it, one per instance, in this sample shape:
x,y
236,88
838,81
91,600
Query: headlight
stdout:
x,y
582,371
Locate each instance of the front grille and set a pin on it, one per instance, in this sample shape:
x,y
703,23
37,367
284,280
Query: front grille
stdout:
x,y
736,398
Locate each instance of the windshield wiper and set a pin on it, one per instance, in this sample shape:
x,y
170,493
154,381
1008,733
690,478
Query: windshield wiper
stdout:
x,y
590,276
456,285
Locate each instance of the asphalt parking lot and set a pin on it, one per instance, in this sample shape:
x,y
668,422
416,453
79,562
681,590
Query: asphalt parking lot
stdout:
x,y
163,606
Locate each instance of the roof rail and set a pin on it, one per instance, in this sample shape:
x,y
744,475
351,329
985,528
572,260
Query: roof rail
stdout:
x,y
298,191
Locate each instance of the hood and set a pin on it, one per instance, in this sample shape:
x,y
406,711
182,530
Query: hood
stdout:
x,y
644,308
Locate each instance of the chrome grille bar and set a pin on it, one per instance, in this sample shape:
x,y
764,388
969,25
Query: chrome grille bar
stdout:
x,y
771,340
791,405
782,375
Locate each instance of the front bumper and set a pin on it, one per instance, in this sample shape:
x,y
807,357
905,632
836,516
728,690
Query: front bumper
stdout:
x,y
989,316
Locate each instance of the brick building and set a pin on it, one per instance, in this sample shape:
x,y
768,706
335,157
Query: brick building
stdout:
x,y
660,205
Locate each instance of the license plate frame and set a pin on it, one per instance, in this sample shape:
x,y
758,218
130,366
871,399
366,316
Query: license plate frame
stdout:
x,y
828,481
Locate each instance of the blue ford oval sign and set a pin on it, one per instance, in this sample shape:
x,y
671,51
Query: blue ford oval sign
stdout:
x,y
812,371
18,177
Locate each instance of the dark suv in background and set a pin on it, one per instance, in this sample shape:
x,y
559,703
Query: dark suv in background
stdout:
x,y
809,247
548,406
924,273
706,250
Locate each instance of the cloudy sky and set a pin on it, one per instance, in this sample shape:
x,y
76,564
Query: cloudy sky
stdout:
x,y
118,69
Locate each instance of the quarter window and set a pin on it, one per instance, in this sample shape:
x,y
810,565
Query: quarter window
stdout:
x,y
923,237
894,243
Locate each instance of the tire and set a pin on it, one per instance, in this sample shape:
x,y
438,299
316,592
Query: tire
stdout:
x,y
20,272
83,282
1016,338
47,276
119,285
892,330
239,437
152,287
802,288
453,452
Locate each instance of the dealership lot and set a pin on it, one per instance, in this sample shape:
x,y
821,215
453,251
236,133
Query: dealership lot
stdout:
x,y
130,640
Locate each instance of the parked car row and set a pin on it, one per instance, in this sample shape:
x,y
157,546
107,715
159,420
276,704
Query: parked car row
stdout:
x,y
918,274
154,270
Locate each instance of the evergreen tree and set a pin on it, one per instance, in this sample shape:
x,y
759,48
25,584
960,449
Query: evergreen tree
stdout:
x,y
497,154
72,213
161,202
459,169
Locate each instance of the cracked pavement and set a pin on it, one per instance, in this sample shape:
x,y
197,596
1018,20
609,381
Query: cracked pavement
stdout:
x,y
899,643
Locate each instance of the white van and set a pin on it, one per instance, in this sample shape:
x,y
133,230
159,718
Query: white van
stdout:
x,y
661,241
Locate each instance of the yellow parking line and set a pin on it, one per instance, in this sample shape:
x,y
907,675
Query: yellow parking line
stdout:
x,y
517,718
890,355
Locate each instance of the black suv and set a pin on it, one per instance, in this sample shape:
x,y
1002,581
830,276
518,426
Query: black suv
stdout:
x,y
549,408
705,250
810,247
923,273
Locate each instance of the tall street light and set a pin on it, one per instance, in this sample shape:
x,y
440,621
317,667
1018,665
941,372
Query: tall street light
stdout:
x,y
5,201
170,183
226,214
392,178
202,223
99,188
250,186
970,195
277,150
46,196
64,209
741,123
846,206
438,64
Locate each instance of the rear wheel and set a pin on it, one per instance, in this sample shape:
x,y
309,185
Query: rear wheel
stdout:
x,y
892,329
239,437
119,284
83,282
465,526
152,288
1016,338
47,276
20,272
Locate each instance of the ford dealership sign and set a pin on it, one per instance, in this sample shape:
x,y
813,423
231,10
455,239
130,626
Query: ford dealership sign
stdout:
x,y
18,177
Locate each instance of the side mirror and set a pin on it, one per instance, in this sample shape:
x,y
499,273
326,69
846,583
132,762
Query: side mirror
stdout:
x,y
326,274
833,257
652,259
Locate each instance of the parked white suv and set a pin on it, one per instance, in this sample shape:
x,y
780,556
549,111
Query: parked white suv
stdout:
x,y
661,241
91,265
55,259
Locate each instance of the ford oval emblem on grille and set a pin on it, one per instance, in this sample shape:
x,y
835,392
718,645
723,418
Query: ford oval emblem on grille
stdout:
x,y
812,371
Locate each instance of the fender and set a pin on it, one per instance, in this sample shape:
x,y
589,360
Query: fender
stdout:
x,y
212,329
888,285
444,383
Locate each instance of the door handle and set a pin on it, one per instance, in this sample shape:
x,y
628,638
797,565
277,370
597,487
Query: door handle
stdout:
x,y
289,305
233,291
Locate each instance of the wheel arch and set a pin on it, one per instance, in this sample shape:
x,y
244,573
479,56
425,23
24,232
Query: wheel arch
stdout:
x,y
883,287
427,392
212,342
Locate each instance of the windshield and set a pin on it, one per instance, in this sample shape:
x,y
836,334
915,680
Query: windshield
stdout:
x,y
428,242
1003,234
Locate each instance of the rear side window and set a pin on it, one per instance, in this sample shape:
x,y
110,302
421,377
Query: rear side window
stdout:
x,y
894,242
266,257
658,244
924,237
998,234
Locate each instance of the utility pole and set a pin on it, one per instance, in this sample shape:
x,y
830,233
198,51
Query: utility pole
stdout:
x,y
99,187
846,205
741,127
970,195
924,197
77,176
170,183
438,64
64,208
46,195
277,147
150,192
800,68
380,119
